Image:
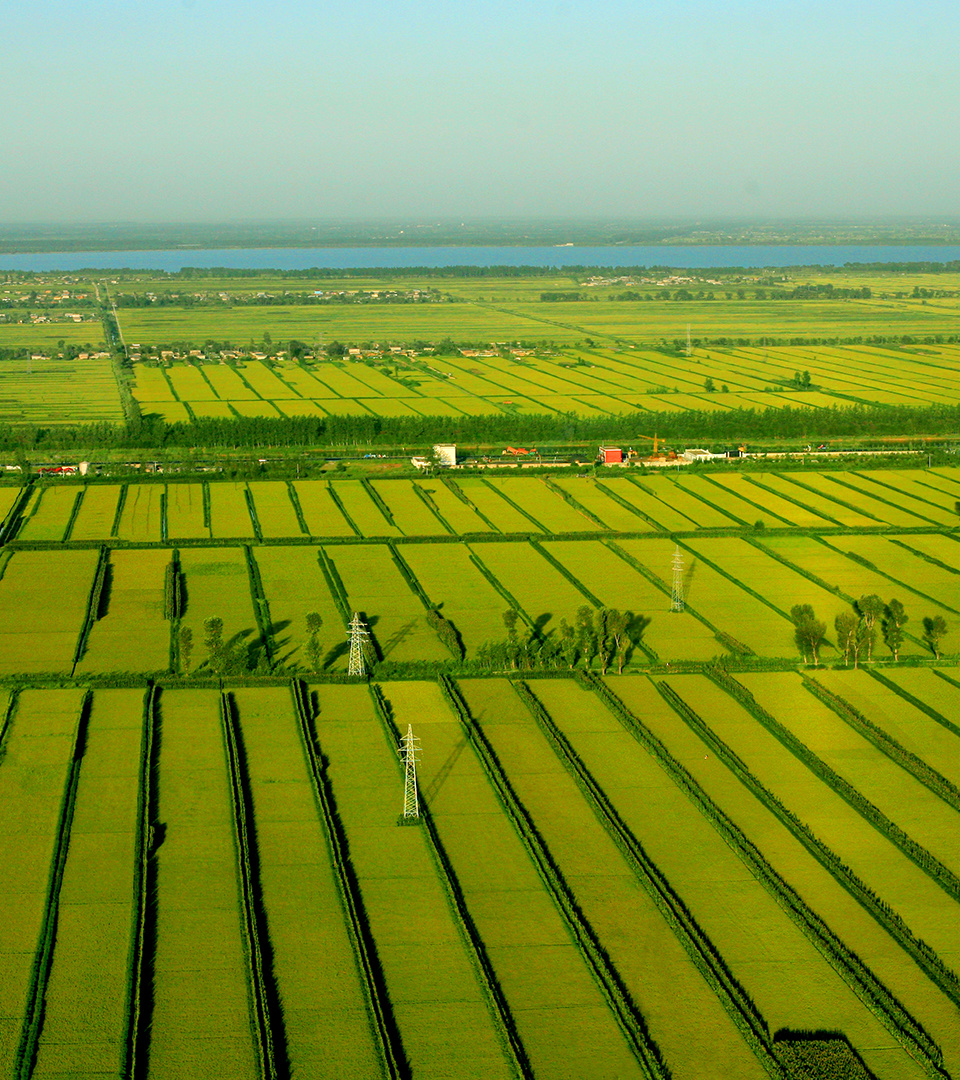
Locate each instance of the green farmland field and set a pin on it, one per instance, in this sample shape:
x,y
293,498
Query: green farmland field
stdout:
x,y
644,874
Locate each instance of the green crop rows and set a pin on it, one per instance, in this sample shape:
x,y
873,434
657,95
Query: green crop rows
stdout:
x,y
731,860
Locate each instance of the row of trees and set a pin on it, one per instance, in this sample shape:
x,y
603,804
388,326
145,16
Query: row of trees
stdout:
x,y
605,635
692,427
857,630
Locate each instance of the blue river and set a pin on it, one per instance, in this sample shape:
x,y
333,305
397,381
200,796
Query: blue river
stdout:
x,y
389,257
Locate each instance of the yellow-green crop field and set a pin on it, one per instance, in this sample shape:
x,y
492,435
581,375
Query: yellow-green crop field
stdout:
x,y
609,381
703,841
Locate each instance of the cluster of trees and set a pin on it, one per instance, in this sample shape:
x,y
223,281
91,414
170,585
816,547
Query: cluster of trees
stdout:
x,y
605,635
857,630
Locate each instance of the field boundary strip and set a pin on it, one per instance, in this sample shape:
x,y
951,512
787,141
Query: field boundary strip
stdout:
x,y
451,886
75,510
433,508
571,500
266,1020
140,1000
868,565
946,979
572,578
916,702
851,968
885,743
608,980
92,613
698,946
14,518
386,1034
791,499
33,1016
261,606
297,508
458,491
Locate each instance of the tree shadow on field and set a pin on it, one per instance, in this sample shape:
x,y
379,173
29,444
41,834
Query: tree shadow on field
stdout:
x,y
540,623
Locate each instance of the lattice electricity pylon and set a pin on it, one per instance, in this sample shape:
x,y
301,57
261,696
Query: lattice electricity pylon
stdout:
x,y
358,636
677,602
409,751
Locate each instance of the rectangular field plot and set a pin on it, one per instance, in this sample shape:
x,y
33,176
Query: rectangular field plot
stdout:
x,y
296,407
265,383
919,812
132,633
543,505
320,511
255,408
189,384
542,592
773,959
392,866
593,497
409,511
325,1013
201,1024
648,955
727,502
780,586
642,496
140,516
926,582
464,596
834,488
363,510
375,587
914,895
217,410
561,1017
788,856
229,511
43,603
769,503
671,634
494,507
85,1016
908,490
294,585
217,585
227,383
8,496
39,748
715,598
822,505
900,499
152,384
935,743
55,391
677,497
49,514
97,513
854,579
170,412
275,511
186,512
455,511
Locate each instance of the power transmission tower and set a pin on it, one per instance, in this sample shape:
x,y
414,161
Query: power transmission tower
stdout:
x,y
677,603
358,637
409,751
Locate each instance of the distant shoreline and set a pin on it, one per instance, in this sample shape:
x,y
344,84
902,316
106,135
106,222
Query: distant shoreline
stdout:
x,y
400,259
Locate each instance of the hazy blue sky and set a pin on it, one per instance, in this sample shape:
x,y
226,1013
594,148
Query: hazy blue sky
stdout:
x,y
207,110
